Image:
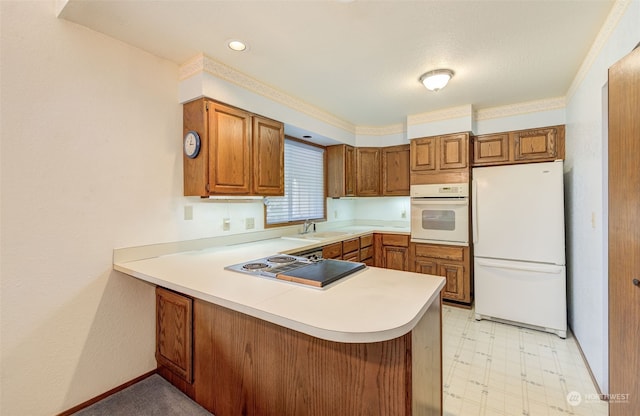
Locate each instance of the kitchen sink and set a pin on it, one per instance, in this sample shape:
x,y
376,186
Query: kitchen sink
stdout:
x,y
316,236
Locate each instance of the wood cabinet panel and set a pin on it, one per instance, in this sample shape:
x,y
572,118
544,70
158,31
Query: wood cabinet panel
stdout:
x,y
451,262
366,240
229,150
396,170
396,258
268,156
535,144
544,144
332,251
240,153
368,171
341,172
423,153
440,159
399,240
490,149
174,338
351,245
366,253
247,366
454,151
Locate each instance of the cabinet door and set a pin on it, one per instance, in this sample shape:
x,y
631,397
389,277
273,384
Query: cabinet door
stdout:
x,y
454,151
368,171
396,170
268,156
423,153
426,266
491,149
454,275
229,150
535,144
174,337
396,258
341,161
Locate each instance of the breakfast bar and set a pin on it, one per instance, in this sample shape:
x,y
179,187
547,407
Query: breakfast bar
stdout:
x,y
367,344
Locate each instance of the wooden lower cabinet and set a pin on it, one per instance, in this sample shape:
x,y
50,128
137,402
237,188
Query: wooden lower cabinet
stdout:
x,y
174,333
366,249
451,262
391,251
247,366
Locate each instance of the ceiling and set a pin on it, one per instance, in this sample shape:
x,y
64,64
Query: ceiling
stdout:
x,y
361,60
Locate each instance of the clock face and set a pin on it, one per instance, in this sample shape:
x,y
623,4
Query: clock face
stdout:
x,y
191,144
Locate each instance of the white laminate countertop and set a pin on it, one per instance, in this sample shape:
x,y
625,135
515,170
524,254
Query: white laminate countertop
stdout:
x,y
371,305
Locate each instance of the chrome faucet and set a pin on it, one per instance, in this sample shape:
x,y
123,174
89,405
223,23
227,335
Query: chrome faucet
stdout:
x,y
307,224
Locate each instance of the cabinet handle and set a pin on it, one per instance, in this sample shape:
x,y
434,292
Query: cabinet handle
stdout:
x,y
636,282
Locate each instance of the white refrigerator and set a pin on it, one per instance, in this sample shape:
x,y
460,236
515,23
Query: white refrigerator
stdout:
x,y
519,251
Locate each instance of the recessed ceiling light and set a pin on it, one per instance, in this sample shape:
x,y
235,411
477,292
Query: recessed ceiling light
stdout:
x,y
237,45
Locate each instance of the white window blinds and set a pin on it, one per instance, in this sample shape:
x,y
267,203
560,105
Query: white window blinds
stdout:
x,y
303,185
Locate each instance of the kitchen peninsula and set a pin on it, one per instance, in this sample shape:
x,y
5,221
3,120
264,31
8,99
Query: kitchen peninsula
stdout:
x,y
368,344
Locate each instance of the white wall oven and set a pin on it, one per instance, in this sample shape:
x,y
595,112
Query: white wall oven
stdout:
x,y
440,214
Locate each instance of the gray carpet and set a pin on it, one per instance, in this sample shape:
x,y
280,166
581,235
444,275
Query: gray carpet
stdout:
x,y
151,396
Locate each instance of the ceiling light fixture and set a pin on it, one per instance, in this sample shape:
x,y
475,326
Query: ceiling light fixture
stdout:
x,y
237,45
437,79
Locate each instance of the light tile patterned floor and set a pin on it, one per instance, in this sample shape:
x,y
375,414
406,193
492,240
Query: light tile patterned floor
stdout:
x,y
494,369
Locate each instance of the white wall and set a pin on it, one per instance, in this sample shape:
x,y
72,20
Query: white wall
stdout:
x,y
585,174
91,131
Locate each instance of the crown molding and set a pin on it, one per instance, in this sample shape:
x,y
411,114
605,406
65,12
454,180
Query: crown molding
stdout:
x,y
536,106
439,115
616,13
202,63
380,130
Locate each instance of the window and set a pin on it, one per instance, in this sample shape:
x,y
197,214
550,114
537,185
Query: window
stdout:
x,y
304,196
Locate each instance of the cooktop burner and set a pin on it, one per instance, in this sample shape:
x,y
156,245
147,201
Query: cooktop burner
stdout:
x,y
255,266
281,259
272,265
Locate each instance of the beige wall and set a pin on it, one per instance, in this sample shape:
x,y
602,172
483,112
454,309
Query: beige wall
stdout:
x,y
90,128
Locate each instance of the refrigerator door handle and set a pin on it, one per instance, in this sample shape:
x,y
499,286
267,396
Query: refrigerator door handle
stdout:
x,y
528,268
474,210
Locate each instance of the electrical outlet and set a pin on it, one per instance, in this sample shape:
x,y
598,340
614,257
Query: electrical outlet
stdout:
x,y
403,214
188,212
226,224
335,214
250,223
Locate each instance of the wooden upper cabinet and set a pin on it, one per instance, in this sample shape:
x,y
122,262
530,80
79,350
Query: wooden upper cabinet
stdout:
x,y
240,153
536,144
395,170
368,171
491,149
454,151
543,144
229,150
268,156
341,172
423,153
440,152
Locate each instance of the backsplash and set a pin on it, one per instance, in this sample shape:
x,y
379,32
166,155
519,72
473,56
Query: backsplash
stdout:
x,y
209,217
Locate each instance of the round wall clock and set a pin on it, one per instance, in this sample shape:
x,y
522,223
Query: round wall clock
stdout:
x,y
191,144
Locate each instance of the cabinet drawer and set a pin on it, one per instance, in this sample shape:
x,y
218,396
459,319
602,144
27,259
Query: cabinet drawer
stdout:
x,y
366,253
440,252
351,256
349,246
395,240
366,240
332,251
368,262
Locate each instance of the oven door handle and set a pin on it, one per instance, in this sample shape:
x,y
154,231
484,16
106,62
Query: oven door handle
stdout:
x,y
440,201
